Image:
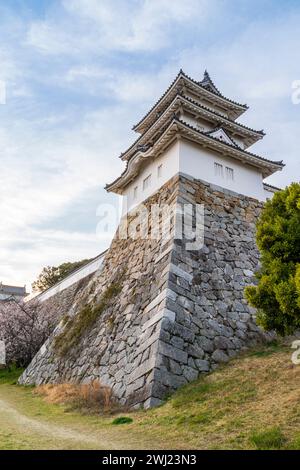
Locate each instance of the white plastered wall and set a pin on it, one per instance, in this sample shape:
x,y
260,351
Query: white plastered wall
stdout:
x,y
199,163
170,167
192,159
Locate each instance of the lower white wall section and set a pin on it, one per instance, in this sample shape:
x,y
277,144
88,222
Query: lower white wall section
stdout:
x,y
161,170
192,159
200,163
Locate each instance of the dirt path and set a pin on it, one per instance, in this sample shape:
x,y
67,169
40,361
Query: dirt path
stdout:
x,y
30,425
20,431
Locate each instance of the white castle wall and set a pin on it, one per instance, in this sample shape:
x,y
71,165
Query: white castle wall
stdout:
x,y
170,167
199,163
192,159
72,279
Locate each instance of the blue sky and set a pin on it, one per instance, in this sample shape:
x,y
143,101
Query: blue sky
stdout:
x,y
80,73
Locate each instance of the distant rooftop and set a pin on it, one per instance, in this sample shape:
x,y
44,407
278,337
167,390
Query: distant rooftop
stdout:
x,y
12,291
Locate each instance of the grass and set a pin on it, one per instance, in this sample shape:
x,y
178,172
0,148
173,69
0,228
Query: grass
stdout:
x,y
253,402
10,376
269,439
267,350
88,398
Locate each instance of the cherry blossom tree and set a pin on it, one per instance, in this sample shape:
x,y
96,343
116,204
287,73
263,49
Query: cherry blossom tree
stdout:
x,y
24,327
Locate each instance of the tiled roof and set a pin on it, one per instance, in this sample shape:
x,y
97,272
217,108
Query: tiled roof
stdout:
x,y
261,132
218,93
228,136
207,136
200,106
208,83
184,75
231,145
12,290
272,187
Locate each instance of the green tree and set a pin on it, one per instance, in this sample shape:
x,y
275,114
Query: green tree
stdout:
x,y
277,294
51,275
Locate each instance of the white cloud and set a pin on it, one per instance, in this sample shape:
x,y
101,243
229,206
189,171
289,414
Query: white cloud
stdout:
x,y
98,27
54,148
42,177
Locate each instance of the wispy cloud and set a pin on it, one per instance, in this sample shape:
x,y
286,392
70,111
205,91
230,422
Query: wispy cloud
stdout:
x,y
80,73
114,26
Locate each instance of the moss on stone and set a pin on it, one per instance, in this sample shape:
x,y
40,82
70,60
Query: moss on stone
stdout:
x,y
76,326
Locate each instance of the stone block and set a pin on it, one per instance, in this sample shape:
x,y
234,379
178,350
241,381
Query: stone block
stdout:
x,y
172,352
202,365
190,374
220,356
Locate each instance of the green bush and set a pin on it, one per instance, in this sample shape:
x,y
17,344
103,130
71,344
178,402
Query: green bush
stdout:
x,y
277,295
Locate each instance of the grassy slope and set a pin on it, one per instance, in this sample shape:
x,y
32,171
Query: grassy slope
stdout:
x,y
252,402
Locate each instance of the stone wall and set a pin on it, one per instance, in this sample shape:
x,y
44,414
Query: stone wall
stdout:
x,y
179,313
62,302
212,319
121,348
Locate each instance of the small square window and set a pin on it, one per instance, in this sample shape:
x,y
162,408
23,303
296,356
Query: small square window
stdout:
x,y
229,173
147,182
218,169
159,171
135,192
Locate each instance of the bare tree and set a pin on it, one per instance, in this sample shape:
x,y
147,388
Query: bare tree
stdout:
x,y
24,327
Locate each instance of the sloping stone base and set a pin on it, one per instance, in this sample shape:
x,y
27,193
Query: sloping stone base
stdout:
x,y
180,313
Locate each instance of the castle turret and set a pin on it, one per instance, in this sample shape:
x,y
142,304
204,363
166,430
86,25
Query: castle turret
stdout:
x,y
163,310
192,129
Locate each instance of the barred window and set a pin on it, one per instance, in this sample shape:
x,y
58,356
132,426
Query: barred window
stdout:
x,y
218,169
229,174
147,182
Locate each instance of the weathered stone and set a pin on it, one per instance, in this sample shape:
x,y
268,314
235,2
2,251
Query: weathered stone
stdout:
x,y
179,311
174,353
195,351
185,333
205,344
219,356
177,342
221,342
175,367
202,365
189,373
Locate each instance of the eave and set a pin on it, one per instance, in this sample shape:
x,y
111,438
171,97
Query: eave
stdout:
x,y
234,127
182,80
182,102
177,128
271,188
